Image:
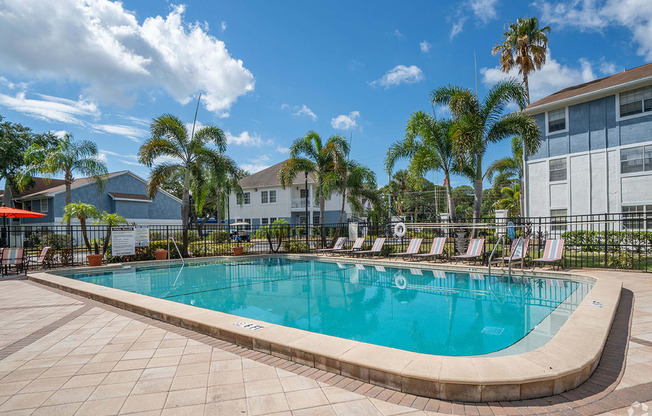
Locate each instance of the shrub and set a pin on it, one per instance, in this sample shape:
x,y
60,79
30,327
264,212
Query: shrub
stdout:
x,y
156,235
163,244
620,241
142,253
622,260
192,236
218,236
203,249
294,247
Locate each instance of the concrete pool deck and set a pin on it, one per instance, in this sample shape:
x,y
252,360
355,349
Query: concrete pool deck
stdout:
x,y
560,365
47,333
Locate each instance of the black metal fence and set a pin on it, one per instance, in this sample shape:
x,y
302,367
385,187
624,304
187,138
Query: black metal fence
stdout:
x,y
616,241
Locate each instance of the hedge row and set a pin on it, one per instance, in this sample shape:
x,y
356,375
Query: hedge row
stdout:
x,y
625,241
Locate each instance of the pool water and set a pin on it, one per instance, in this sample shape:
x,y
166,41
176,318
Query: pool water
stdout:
x,y
420,310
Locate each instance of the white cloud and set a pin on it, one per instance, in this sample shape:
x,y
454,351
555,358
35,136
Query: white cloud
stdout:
x,y
300,110
59,133
552,77
482,10
106,155
246,139
345,122
51,108
256,165
223,25
134,133
397,34
425,46
284,150
591,15
102,46
400,74
608,68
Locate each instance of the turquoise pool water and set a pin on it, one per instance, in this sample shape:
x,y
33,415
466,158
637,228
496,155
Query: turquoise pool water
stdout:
x,y
418,310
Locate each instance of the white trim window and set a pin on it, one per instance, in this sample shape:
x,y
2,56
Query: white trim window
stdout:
x,y
44,205
247,198
272,196
264,197
558,171
637,217
264,221
556,121
636,159
635,102
558,219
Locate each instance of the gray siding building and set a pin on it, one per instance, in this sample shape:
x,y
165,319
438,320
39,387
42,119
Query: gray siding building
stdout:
x,y
596,152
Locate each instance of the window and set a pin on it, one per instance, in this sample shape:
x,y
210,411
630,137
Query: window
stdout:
x,y
636,159
303,193
44,205
248,226
271,220
263,221
27,205
315,219
637,217
263,197
557,120
558,219
247,198
636,101
558,170
272,197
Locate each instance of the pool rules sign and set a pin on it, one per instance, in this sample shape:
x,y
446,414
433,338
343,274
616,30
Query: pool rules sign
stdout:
x,y
123,241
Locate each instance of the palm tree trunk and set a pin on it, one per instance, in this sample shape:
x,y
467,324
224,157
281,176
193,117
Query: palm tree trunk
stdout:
x,y
523,177
82,223
68,180
322,212
449,199
477,201
339,223
7,198
106,239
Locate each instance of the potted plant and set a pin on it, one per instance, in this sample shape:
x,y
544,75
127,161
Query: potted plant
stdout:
x,y
161,254
95,260
82,212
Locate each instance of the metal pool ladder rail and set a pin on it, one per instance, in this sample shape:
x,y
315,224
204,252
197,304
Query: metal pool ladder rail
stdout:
x,y
491,257
178,251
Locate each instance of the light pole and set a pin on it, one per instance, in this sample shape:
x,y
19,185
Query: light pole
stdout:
x,y
307,242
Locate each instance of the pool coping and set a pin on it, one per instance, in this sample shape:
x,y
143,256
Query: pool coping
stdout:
x,y
562,364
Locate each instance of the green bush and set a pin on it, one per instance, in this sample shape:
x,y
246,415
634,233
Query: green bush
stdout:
x,y
156,235
218,236
192,236
620,241
622,260
163,244
142,254
294,247
203,249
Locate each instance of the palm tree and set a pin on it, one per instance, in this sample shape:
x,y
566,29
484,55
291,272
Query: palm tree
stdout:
x,y
182,154
523,45
68,157
510,199
311,154
111,220
428,144
509,168
82,212
478,124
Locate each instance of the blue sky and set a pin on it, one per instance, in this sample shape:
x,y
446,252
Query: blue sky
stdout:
x,y
271,71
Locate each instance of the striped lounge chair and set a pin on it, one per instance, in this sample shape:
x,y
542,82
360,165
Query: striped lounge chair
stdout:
x,y
357,245
13,256
473,251
375,249
339,244
40,259
553,253
413,248
517,253
436,250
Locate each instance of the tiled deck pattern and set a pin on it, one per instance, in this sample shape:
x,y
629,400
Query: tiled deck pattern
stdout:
x,y
63,354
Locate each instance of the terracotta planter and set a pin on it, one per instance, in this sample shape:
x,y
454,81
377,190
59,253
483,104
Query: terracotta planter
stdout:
x,y
94,260
237,251
160,254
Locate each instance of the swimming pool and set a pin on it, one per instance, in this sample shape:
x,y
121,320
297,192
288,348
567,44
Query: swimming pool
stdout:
x,y
419,310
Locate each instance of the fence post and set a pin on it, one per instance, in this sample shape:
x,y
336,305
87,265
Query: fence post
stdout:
x,y
606,236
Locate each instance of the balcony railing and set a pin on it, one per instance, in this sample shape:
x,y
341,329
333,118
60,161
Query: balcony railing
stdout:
x,y
300,203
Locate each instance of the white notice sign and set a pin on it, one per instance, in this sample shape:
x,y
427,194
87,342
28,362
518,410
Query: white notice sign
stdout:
x,y
123,241
141,235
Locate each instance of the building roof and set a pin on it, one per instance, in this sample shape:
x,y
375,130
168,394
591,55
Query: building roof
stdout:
x,y
40,184
626,77
269,177
61,187
123,196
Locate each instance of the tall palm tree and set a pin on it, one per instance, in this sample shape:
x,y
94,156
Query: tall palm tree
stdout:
x,y
480,123
510,199
68,158
173,151
509,168
523,46
311,154
428,144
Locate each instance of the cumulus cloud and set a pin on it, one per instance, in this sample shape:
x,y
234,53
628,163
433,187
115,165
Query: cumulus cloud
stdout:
x,y
300,110
51,108
345,122
256,165
134,133
457,28
102,46
127,159
425,46
400,74
246,139
592,15
552,77
223,26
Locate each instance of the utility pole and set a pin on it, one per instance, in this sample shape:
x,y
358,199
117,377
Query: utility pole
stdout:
x,y
307,242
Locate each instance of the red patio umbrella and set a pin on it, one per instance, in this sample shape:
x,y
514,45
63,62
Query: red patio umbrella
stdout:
x,y
6,212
